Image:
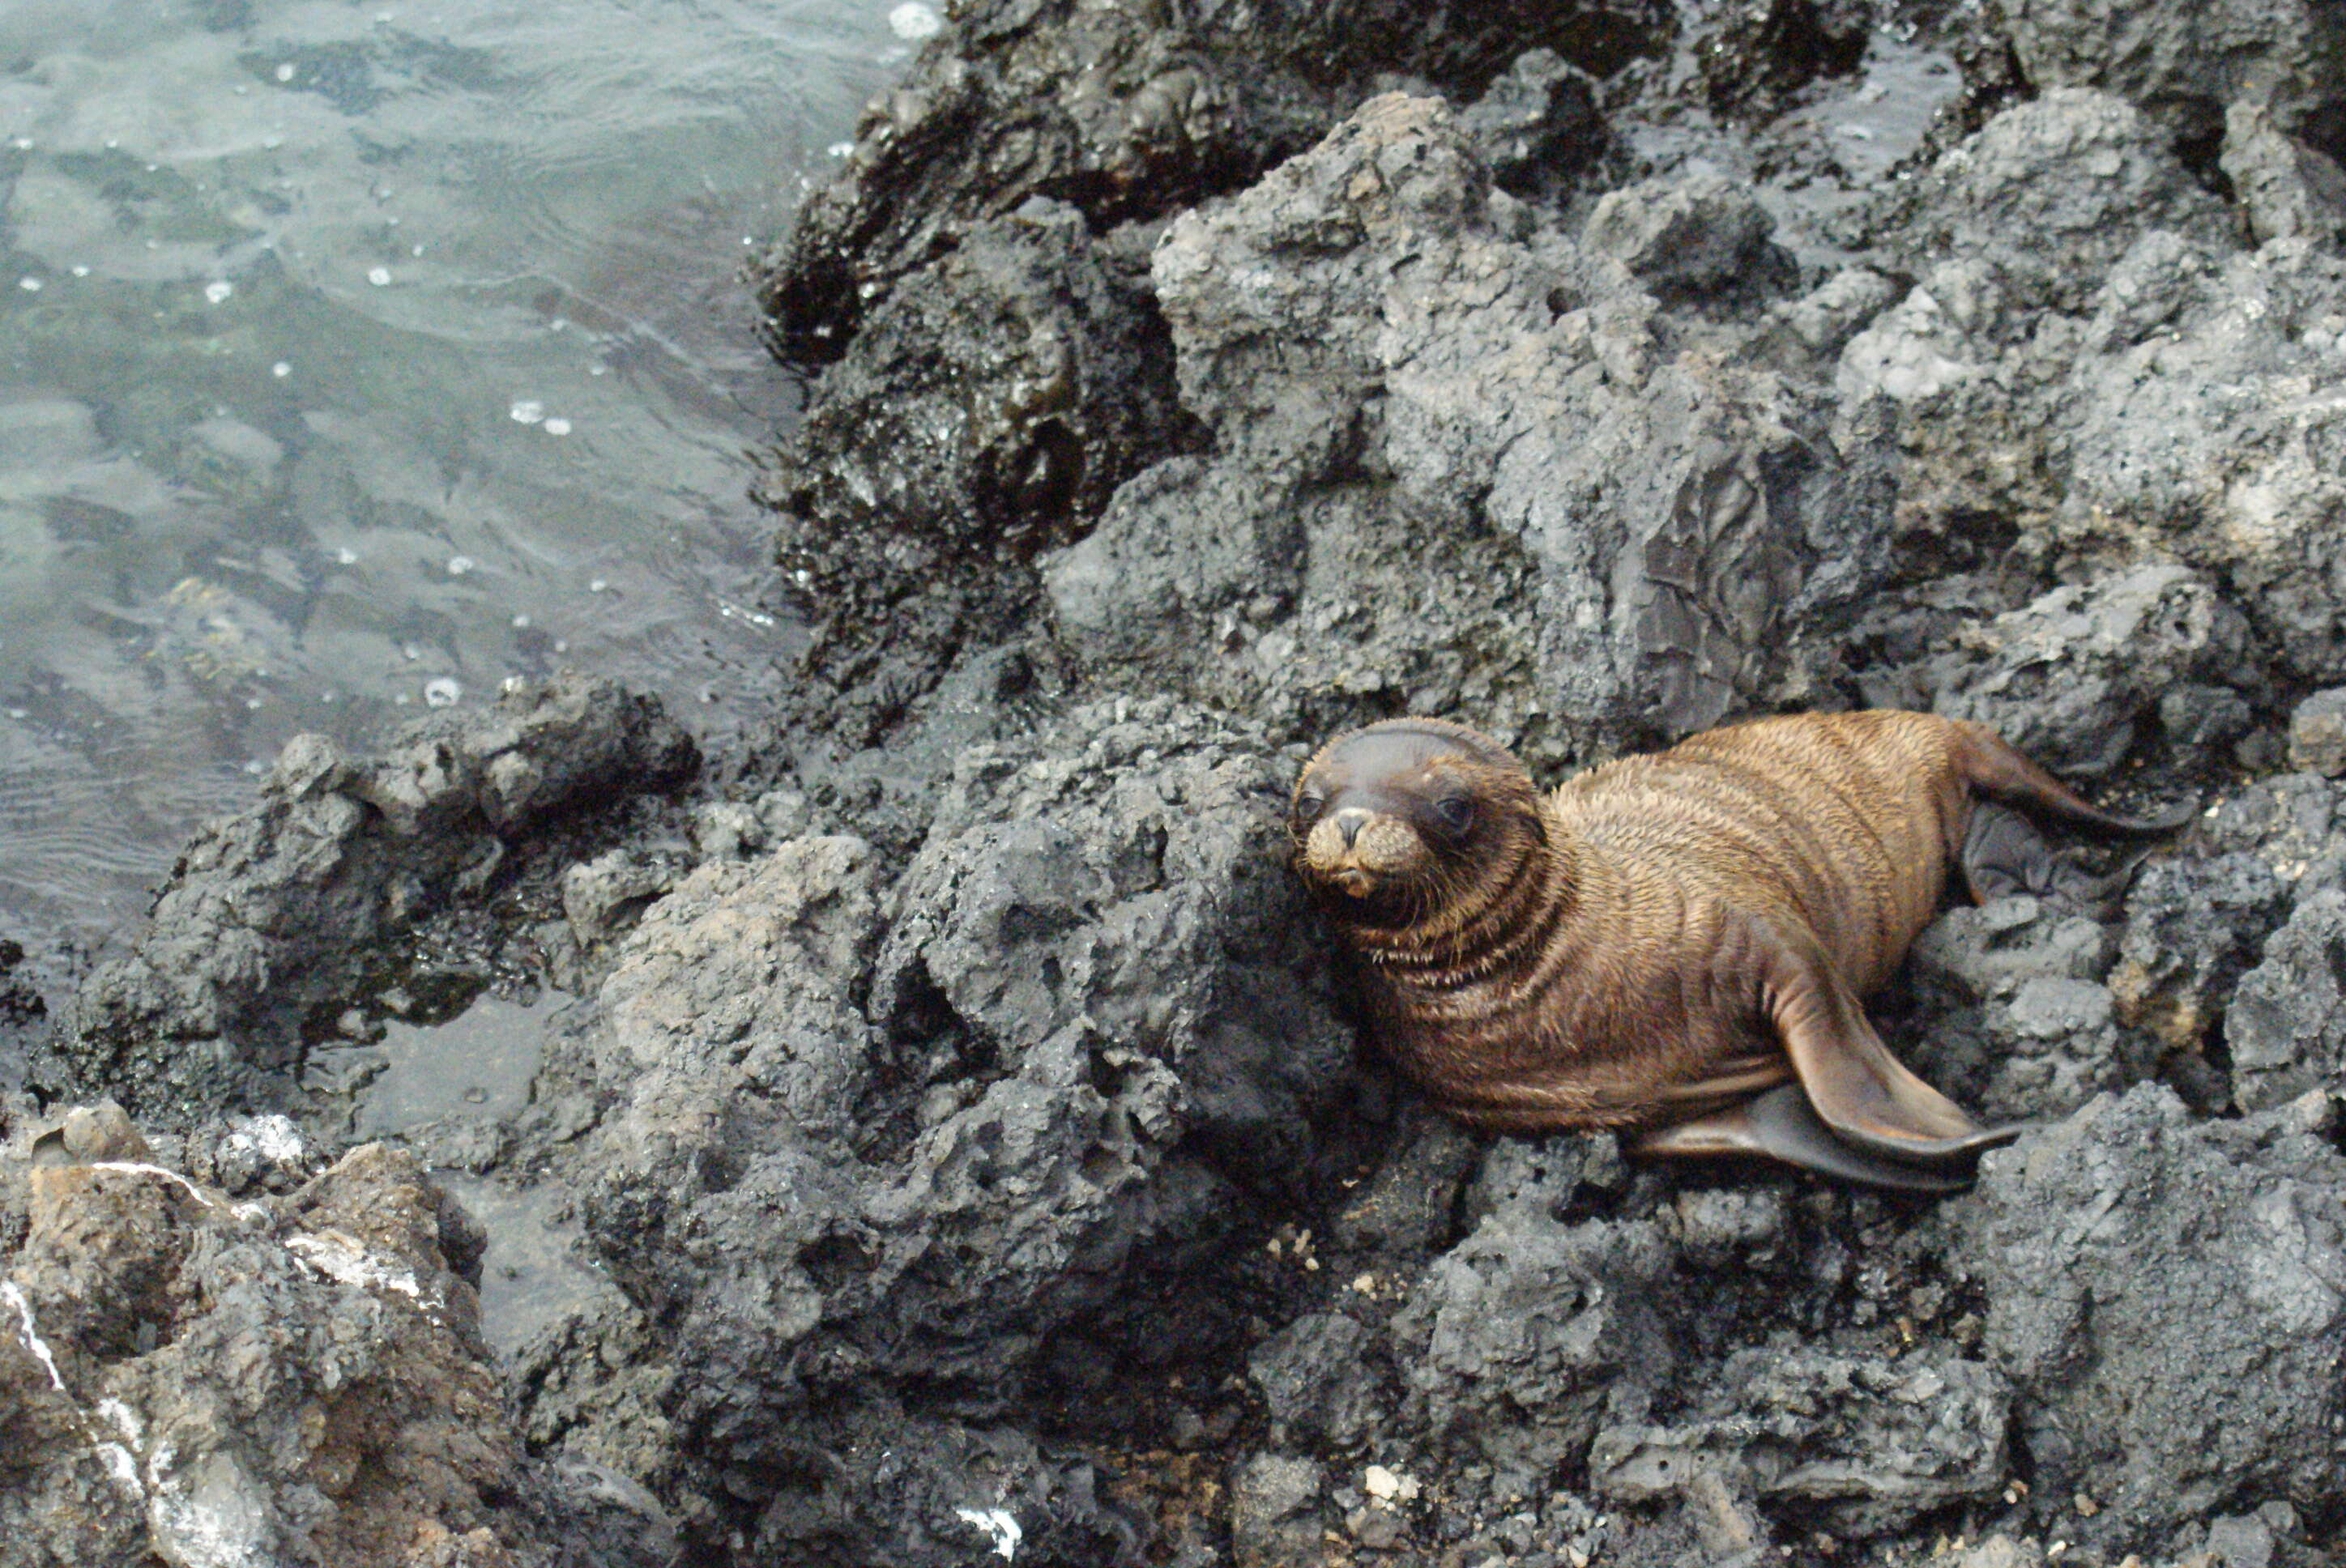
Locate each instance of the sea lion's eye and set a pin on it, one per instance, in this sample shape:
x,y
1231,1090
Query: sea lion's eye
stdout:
x,y
1307,810
1454,812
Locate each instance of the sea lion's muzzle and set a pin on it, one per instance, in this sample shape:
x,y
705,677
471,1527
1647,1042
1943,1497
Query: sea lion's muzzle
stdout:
x,y
1359,850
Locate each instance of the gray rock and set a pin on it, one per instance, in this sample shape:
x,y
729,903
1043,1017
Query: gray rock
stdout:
x,y
888,1155
1870,1441
2164,1297
1135,115
2029,1031
2184,64
600,897
2070,678
299,906
1274,1513
2317,734
2285,1029
302,1381
1684,238
981,416
2049,194
2289,189
1516,1341
1622,543
1320,1383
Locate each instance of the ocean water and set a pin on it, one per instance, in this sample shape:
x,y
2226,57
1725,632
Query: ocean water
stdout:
x,y
357,357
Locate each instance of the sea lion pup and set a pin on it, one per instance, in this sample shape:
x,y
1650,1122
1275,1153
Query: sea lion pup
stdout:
x,y
1673,944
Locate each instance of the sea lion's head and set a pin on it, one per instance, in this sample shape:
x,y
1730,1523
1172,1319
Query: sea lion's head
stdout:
x,y
1394,820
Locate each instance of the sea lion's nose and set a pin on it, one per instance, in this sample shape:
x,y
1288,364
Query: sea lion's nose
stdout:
x,y
1350,821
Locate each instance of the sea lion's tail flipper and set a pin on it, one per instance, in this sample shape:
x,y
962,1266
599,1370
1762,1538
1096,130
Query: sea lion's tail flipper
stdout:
x,y
1866,1095
1992,767
1782,1125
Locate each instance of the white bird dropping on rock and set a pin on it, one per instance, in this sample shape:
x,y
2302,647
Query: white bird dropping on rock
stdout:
x,y
527,411
379,276
443,692
218,292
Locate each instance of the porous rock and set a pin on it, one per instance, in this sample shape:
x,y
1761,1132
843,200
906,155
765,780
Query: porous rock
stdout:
x,y
871,1159
288,911
2167,1297
1870,1441
1440,438
298,1381
2186,64
2073,677
1130,112
982,415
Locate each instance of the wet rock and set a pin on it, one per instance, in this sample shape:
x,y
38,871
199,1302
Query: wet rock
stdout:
x,y
287,913
1620,542
2317,734
1871,1442
984,414
298,1382
1130,115
2163,1295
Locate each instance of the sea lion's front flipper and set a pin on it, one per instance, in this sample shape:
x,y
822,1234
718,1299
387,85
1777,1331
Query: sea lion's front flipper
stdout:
x,y
1782,1125
1866,1095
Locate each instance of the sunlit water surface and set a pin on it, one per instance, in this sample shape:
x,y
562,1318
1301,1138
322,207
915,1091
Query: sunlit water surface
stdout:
x,y
357,357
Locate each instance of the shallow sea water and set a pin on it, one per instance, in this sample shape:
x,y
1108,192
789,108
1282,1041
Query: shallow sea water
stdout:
x,y
356,357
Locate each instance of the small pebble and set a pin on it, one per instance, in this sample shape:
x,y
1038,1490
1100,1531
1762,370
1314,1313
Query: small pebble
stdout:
x,y
443,692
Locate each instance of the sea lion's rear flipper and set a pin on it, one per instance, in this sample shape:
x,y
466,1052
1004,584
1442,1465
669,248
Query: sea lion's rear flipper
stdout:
x,y
1782,1125
1996,770
1866,1095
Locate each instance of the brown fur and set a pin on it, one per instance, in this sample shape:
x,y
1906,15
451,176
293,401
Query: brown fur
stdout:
x,y
1638,947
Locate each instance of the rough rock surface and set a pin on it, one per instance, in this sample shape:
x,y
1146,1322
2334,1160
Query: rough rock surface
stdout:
x,y
206,1379
2099,1238
975,1151
277,920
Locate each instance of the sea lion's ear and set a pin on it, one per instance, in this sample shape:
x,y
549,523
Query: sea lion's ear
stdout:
x,y
1859,1090
1781,1125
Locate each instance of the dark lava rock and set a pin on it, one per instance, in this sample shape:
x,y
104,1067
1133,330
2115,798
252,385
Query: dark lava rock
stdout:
x,y
301,1380
2285,1029
1447,442
2186,64
1130,112
1868,1443
2168,1299
893,1160
2197,922
984,414
275,921
2075,678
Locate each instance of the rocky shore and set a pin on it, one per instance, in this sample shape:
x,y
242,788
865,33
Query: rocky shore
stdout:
x,y
968,1138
